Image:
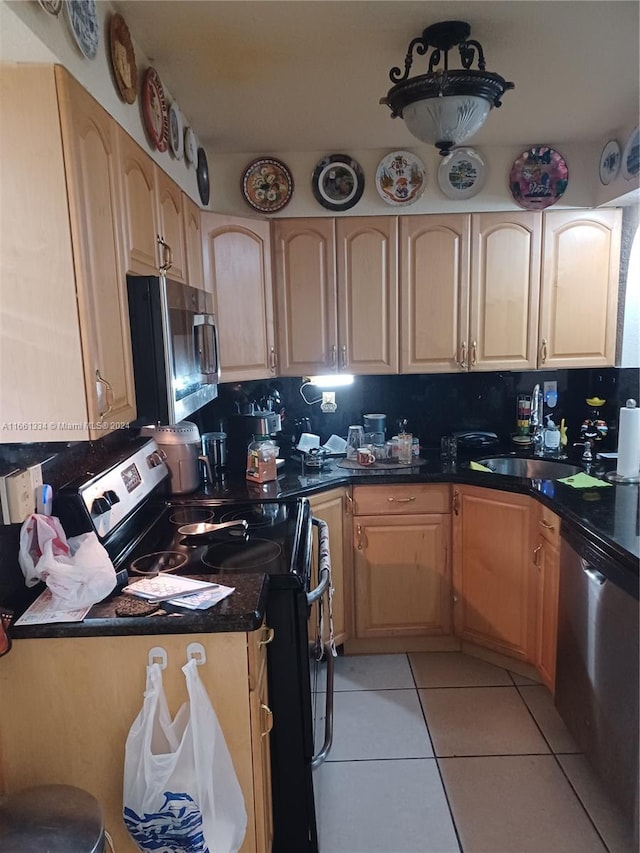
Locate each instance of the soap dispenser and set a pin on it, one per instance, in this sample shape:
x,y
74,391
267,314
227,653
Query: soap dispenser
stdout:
x,y
551,438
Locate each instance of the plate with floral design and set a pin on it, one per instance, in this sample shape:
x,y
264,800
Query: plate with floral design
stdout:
x,y
462,173
538,178
267,185
83,21
401,178
338,182
123,59
154,110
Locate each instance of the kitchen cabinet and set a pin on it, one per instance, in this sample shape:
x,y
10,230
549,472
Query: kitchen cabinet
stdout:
x,y
192,243
546,559
579,294
237,264
494,580
401,547
333,507
469,291
171,226
66,707
337,295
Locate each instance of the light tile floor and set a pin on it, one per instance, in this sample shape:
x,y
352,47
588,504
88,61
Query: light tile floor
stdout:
x,y
440,752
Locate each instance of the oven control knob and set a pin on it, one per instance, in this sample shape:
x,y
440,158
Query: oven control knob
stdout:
x,y
154,459
112,497
100,506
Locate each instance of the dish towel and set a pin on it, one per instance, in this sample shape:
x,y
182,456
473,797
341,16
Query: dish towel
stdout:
x,y
583,481
476,466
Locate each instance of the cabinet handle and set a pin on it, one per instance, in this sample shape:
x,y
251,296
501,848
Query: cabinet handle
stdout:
x,y
456,502
272,359
334,356
546,525
401,500
463,355
359,534
349,506
267,710
108,394
269,634
343,357
543,351
536,556
167,259
474,347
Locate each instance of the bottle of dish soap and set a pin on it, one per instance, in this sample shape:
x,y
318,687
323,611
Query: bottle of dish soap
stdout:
x,y
551,438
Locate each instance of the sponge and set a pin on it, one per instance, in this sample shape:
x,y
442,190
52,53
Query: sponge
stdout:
x,y
476,466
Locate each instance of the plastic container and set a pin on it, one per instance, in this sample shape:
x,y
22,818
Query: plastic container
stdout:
x,y
261,459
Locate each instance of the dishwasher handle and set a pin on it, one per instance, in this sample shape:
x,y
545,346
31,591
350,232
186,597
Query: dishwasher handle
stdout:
x,y
593,574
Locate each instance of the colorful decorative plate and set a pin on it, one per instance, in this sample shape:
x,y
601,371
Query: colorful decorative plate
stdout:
x,y
202,174
610,161
154,110
190,146
267,185
538,177
83,20
631,156
123,59
338,182
462,173
401,178
176,131
53,7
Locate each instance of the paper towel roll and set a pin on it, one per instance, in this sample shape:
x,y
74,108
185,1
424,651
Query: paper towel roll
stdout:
x,y
629,440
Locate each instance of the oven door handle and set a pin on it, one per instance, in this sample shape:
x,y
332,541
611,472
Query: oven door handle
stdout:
x,y
320,756
324,561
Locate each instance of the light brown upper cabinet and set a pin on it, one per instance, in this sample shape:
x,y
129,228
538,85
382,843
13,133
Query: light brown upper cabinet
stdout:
x,y
469,292
171,226
237,267
336,294
193,242
579,298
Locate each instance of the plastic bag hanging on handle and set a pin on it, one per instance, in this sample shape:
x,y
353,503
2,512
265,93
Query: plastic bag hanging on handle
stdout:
x,y
181,793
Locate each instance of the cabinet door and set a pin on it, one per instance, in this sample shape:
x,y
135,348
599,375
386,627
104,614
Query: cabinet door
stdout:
x,y
367,294
139,209
237,255
89,142
330,507
495,586
547,561
505,281
305,266
401,572
261,725
579,294
192,242
170,223
434,275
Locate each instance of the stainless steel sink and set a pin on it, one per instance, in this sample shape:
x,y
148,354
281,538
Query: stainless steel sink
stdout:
x,y
538,469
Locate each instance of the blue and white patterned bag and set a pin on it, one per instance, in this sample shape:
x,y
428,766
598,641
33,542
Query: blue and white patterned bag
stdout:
x,y
181,793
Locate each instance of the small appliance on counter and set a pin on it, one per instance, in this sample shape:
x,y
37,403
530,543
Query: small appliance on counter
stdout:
x,y
180,444
375,428
240,432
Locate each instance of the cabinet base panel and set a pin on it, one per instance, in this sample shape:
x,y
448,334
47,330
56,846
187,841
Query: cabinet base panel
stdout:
x,y
397,645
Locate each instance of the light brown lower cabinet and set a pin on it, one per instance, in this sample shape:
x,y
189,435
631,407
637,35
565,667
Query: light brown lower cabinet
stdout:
x,y
546,559
66,707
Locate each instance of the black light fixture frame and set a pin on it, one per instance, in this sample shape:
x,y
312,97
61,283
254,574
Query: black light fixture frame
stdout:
x,y
442,82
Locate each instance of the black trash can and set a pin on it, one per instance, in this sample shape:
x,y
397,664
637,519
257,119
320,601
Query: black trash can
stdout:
x,y
52,818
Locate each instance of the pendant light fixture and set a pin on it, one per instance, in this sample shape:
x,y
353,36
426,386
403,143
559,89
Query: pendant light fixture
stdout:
x,y
445,107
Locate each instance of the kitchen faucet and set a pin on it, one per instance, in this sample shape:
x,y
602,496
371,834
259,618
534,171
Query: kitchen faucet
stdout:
x,y
537,414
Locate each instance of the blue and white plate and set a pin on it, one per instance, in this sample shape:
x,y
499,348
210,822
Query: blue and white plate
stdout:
x,y
83,20
176,131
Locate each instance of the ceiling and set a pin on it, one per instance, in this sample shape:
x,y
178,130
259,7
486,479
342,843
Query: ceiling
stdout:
x,y
296,75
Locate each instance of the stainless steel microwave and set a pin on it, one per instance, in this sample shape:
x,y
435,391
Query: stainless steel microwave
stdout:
x,y
174,343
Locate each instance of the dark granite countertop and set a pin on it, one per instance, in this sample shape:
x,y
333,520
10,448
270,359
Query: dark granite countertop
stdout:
x,y
242,611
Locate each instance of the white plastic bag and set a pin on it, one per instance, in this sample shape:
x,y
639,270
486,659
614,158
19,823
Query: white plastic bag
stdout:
x,y
78,571
181,793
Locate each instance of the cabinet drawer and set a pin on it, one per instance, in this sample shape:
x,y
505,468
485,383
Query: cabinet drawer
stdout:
x,y
401,498
549,526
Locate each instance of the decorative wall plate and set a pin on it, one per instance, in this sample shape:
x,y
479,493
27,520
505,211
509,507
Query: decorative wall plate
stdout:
x,y
610,161
401,178
176,131
53,7
462,173
267,185
202,174
123,59
338,182
631,156
83,21
538,177
154,110
190,146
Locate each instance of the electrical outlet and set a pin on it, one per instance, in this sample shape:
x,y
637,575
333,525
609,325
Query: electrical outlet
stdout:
x,y
35,473
20,497
328,401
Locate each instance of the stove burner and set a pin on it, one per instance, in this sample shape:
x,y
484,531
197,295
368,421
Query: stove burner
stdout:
x,y
259,515
251,556
157,563
190,515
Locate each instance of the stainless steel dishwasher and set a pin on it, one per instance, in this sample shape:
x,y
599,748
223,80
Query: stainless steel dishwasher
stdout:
x,y
597,665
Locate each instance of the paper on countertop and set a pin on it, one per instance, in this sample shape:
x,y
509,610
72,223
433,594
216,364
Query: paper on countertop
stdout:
x,y
582,481
203,600
477,466
44,611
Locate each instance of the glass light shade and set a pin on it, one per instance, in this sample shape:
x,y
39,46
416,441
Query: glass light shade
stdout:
x,y
453,119
332,380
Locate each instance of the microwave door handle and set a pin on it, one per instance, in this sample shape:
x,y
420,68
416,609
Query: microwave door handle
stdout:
x,y
206,344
